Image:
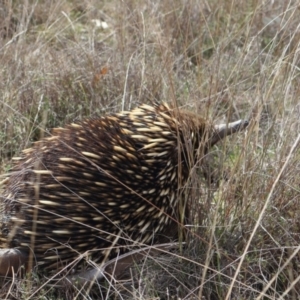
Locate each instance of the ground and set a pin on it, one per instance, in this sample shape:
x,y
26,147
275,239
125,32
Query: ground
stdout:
x,y
66,60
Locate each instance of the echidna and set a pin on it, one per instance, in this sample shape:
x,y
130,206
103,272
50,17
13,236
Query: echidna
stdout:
x,y
100,184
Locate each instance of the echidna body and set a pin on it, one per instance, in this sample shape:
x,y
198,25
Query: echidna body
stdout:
x,y
99,184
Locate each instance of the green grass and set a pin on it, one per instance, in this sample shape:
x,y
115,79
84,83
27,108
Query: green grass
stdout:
x,y
224,59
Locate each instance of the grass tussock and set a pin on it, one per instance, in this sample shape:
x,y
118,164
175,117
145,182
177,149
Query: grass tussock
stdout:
x,y
66,60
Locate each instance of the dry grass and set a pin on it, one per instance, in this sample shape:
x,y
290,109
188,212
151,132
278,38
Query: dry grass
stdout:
x,y
224,59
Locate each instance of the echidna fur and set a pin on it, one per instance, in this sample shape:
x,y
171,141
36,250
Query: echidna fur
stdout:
x,y
97,186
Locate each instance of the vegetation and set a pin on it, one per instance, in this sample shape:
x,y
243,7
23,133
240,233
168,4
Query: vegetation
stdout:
x,y
66,60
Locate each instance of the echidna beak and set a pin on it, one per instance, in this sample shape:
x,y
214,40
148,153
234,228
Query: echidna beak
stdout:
x,y
224,130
